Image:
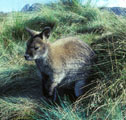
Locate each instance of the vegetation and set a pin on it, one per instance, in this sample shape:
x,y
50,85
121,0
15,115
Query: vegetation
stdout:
x,y
20,96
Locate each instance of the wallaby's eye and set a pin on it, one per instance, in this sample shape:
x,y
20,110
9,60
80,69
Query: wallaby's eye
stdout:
x,y
36,48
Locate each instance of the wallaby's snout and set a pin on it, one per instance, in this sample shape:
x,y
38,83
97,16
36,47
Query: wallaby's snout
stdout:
x,y
29,54
27,57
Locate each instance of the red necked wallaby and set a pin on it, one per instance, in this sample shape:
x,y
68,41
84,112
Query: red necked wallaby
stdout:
x,y
63,63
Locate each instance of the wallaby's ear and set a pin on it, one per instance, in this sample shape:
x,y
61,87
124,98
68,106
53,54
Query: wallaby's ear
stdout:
x,y
32,32
45,33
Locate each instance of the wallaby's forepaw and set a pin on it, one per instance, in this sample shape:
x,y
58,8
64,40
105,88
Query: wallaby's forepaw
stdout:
x,y
52,95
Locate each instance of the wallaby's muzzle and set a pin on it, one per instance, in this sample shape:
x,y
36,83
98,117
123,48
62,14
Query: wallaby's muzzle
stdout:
x,y
27,57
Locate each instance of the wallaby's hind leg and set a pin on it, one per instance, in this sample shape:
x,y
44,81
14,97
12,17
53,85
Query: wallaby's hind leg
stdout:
x,y
79,88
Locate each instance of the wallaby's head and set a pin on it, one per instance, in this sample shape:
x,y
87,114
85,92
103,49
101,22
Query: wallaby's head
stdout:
x,y
37,44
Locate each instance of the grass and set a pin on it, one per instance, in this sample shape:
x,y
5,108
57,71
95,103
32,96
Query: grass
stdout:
x,y
20,96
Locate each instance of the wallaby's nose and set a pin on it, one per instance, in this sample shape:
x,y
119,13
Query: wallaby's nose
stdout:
x,y
26,56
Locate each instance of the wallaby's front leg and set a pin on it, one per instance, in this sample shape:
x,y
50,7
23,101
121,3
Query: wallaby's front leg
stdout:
x,y
52,88
53,83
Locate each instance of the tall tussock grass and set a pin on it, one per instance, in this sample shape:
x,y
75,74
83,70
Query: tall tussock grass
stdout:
x,y
20,83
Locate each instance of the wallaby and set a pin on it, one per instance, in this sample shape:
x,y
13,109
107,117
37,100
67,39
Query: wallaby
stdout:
x,y
64,63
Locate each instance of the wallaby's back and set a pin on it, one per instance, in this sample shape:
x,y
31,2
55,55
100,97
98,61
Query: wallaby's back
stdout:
x,y
72,52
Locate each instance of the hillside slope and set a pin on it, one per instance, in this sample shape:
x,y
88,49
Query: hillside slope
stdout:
x,y
38,7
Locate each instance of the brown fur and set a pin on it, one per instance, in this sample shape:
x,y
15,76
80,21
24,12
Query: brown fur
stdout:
x,y
66,61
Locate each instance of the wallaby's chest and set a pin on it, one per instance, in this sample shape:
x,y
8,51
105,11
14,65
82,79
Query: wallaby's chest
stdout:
x,y
43,67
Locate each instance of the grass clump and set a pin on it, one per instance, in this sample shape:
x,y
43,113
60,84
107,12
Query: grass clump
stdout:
x,y
20,96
